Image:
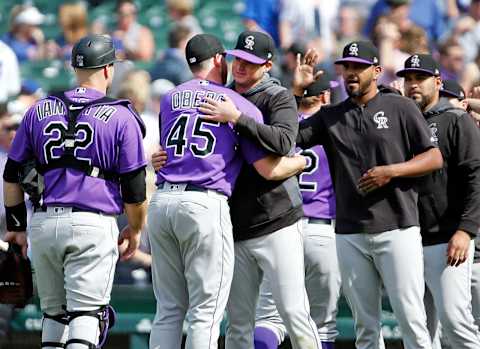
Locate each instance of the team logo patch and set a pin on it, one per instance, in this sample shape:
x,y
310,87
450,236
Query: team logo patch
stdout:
x,y
249,42
79,59
81,90
380,119
353,49
434,130
415,62
192,60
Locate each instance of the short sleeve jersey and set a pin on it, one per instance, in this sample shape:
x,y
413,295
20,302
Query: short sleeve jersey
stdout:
x,y
202,152
107,136
316,184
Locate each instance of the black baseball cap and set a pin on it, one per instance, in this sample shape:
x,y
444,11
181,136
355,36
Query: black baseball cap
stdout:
x,y
202,47
422,63
360,52
320,85
254,47
394,3
451,88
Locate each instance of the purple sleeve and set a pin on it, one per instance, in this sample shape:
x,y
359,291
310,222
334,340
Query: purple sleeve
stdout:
x,y
131,155
251,152
22,149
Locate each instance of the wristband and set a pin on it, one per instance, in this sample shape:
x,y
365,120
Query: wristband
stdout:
x,y
16,217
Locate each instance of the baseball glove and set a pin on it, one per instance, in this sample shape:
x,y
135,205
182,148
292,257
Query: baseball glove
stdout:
x,y
16,286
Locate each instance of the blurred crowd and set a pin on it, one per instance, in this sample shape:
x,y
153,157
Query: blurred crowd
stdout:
x,y
449,29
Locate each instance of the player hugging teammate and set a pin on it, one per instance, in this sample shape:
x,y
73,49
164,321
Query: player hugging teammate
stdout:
x,y
228,198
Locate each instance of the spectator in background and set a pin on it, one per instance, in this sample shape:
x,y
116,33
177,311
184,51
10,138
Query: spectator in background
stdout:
x,y
424,13
467,29
454,67
396,46
73,20
348,28
181,12
312,21
9,73
137,39
173,65
30,92
263,16
159,88
25,38
136,88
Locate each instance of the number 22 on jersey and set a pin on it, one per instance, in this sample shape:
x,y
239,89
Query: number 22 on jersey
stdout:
x,y
201,142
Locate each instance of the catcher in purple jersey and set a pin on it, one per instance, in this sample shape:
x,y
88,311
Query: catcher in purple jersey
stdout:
x,y
189,223
322,277
89,150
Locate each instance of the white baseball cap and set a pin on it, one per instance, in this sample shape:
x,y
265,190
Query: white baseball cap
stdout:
x,y
160,87
29,15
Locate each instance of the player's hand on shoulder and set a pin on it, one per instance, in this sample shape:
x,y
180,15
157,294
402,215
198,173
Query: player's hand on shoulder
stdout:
x,y
159,158
221,111
128,242
457,249
19,238
374,178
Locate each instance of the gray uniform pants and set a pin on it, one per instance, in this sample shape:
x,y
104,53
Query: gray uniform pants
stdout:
x,y
395,258
450,289
74,256
191,240
476,293
322,281
280,256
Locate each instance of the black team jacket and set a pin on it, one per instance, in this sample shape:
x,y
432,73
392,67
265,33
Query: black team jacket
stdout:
x,y
257,206
449,199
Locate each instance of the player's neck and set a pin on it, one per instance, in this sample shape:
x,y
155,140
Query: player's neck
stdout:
x,y
93,86
432,103
365,98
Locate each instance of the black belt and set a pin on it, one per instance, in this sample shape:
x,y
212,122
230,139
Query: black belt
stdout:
x,y
189,187
319,221
74,209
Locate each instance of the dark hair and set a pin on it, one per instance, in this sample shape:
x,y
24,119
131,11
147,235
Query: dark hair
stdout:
x,y
178,33
121,2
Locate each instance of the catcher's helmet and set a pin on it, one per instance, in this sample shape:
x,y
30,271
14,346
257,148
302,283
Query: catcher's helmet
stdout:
x,y
93,51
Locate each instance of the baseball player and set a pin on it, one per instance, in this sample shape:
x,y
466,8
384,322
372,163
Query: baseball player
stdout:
x,y
266,215
449,202
374,141
89,149
322,277
189,223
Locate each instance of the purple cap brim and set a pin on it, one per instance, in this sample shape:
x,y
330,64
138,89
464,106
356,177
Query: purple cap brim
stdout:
x,y
401,73
353,59
246,56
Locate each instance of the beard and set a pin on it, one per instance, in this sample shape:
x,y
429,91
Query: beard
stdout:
x,y
422,102
361,90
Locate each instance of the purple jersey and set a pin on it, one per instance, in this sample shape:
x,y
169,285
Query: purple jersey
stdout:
x,y
205,153
108,136
316,184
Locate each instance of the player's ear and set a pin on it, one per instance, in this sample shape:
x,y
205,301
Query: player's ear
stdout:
x,y
217,60
268,65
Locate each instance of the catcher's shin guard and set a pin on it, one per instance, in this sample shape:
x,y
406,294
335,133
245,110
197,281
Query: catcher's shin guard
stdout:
x,y
84,323
54,331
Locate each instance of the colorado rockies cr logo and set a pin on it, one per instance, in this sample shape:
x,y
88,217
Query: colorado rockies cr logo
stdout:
x,y
415,62
380,119
249,42
353,49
